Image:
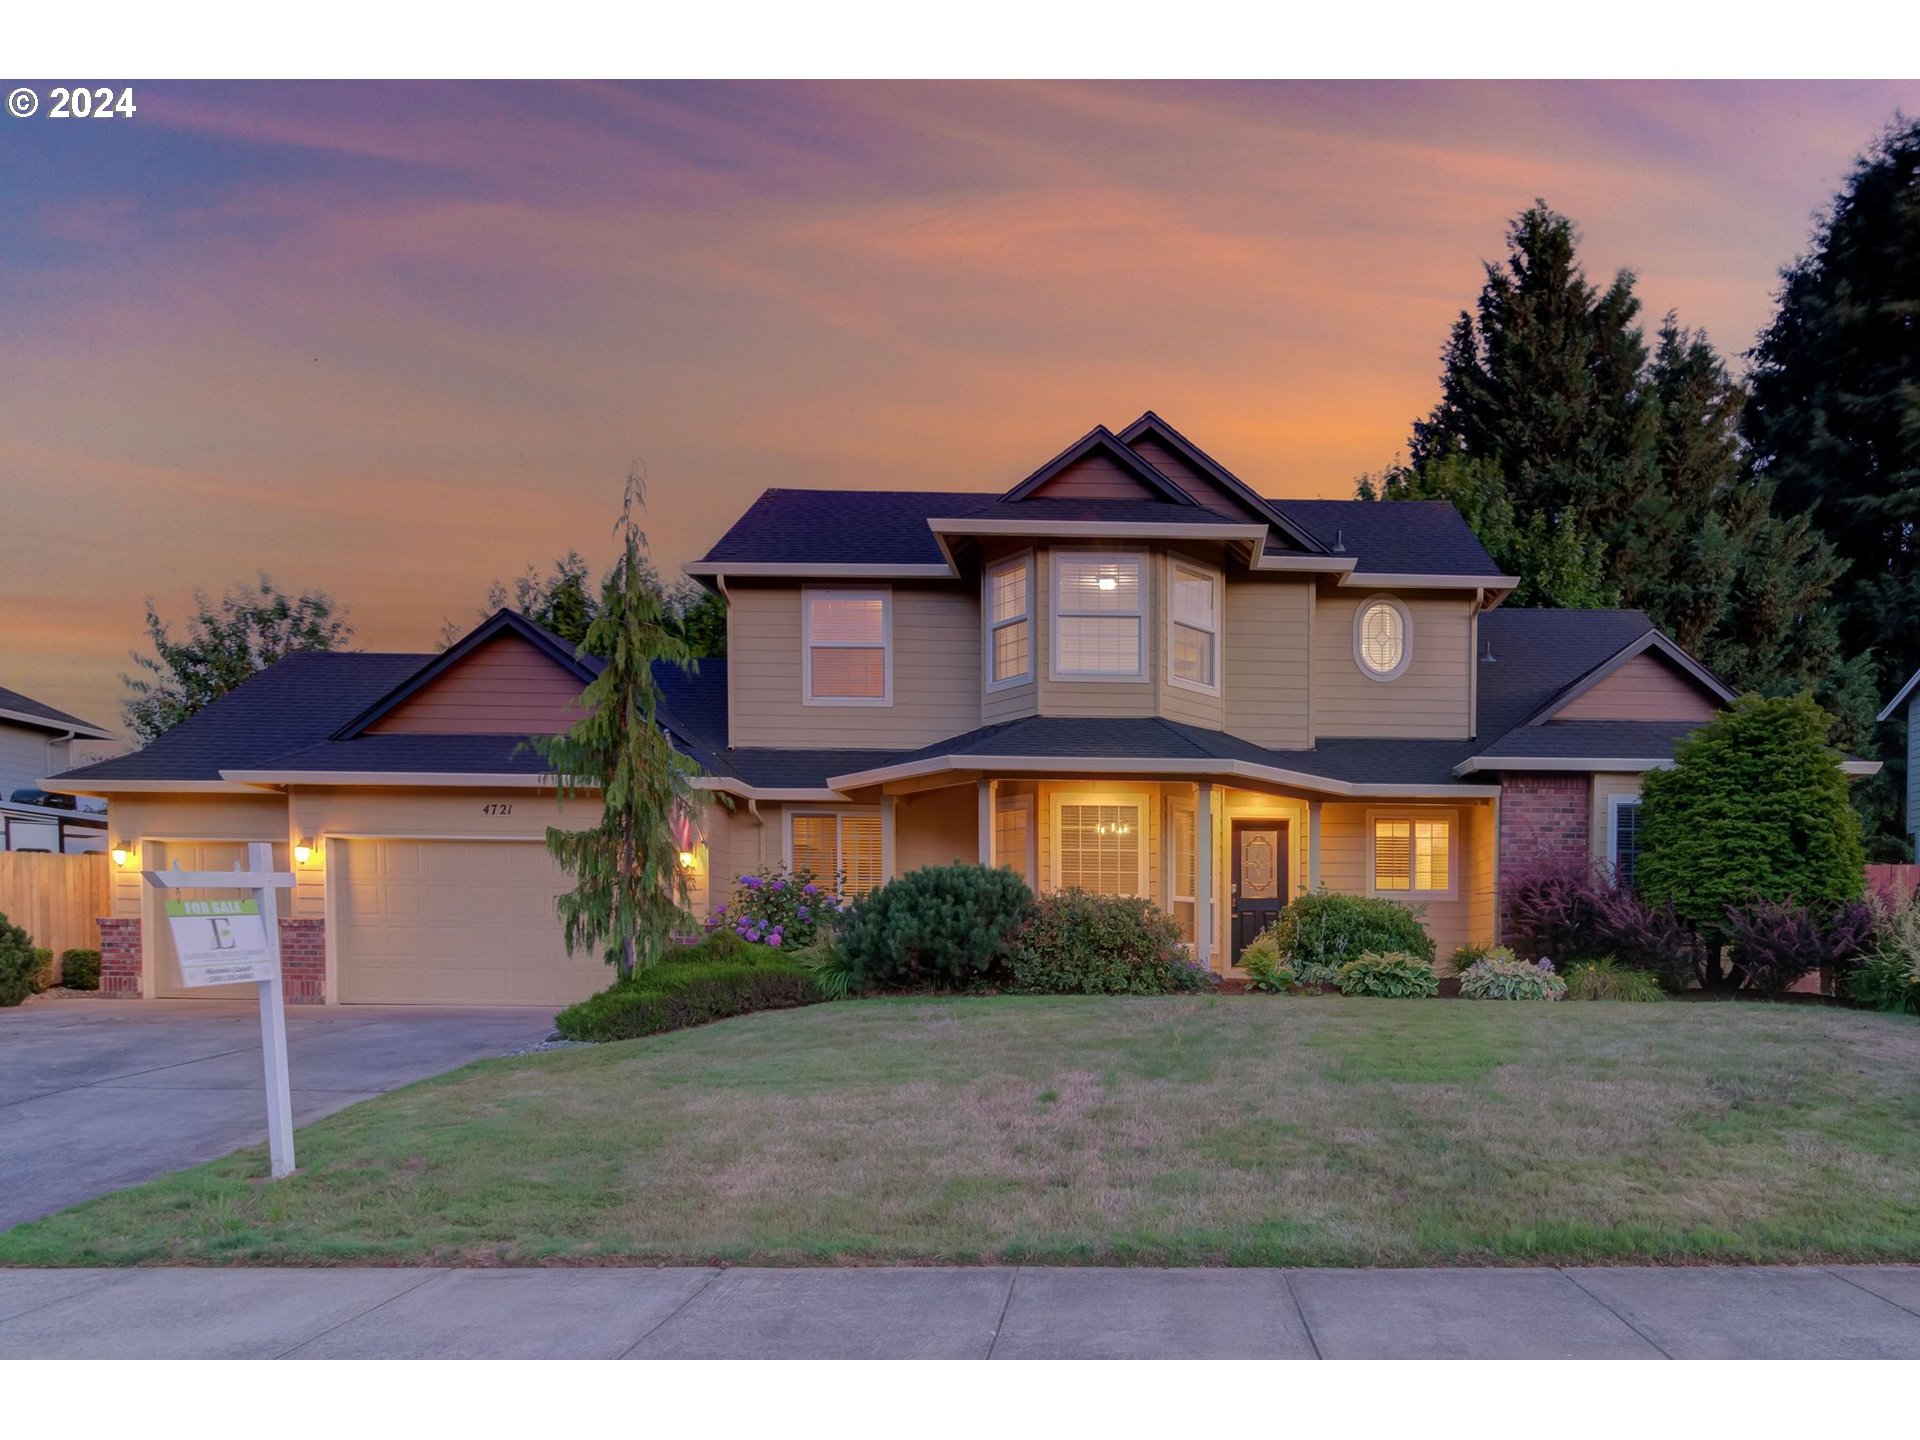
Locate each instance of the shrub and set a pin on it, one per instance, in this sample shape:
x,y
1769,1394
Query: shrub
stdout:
x,y
827,963
1265,974
1320,932
1886,976
1395,975
1553,908
945,925
1464,957
41,975
1569,911
1499,976
1755,806
16,963
1607,979
80,969
776,908
676,995
1774,944
1079,943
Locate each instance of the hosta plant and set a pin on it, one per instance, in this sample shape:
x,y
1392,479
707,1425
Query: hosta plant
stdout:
x,y
1396,975
1500,976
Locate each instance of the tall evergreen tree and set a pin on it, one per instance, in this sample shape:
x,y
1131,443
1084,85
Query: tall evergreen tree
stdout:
x,y
630,893
1834,419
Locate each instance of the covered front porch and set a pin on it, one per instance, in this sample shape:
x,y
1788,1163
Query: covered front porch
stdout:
x,y
1222,856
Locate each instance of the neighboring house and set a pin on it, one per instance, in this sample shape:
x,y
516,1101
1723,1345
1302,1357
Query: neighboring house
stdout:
x,y
36,741
1129,672
1909,698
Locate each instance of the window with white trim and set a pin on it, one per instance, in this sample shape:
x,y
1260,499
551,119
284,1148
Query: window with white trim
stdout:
x,y
1412,855
1009,611
1193,627
1099,615
1623,839
1098,846
1382,637
848,655
838,850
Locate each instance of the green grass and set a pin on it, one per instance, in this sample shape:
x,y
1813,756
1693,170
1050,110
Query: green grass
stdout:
x,y
1186,1130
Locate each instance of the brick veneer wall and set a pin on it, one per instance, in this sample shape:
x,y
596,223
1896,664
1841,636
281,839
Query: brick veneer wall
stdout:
x,y
303,961
120,958
1543,817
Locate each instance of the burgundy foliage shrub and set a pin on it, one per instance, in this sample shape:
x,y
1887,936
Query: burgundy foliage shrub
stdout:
x,y
1774,943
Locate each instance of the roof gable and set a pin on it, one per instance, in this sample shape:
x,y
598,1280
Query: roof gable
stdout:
x,y
1670,686
1098,467
1900,697
1174,455
445,687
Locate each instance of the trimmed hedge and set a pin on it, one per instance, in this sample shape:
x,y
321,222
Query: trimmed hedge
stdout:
x,y
1079,943
41,977
679,993
80,969
945,926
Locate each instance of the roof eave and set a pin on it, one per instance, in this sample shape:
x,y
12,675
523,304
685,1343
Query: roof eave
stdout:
x,y
812,570
56,727
106,789
1144,766
1899,699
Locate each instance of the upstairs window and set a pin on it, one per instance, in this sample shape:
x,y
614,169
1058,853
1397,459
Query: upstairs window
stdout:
x,y
848,659
1098,616
1009,607
1193,641
1412,856
1382,637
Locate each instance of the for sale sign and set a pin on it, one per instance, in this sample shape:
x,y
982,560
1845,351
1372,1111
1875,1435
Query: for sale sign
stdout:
x,y
219,942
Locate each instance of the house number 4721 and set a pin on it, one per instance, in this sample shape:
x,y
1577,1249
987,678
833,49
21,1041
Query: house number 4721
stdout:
x,y
497,807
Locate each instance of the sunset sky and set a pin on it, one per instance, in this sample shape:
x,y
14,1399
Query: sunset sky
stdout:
x,y
398,341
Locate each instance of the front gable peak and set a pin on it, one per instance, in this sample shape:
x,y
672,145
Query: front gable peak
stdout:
x,y
1098,466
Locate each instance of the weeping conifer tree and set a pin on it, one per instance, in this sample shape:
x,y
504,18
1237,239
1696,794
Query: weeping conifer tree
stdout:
x,y
630,894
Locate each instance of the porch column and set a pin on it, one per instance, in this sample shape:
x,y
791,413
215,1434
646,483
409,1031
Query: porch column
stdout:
x,y
1203,873
887,804
1313,845
987,788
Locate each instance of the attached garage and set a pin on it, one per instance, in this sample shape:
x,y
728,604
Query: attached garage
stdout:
x,y
453,922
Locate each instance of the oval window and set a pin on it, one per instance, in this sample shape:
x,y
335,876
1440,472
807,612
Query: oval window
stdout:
x,y
1380,637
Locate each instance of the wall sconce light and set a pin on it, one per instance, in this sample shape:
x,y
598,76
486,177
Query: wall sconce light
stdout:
x,y
686,860
122,852
302,851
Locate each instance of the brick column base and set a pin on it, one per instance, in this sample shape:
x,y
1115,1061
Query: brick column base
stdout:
x,y
303,961
119,958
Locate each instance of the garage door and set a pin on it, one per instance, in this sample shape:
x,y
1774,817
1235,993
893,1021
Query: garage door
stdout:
x,y
453,922
193,855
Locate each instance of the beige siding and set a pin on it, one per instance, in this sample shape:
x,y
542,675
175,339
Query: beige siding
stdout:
x,y
1645,688
1428,700
1481,847
936,672
1346,865
143,819
1269,661
506,687
936,827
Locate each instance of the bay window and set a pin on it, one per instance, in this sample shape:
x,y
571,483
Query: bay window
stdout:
x,y
1099,625
1009,611
1193,627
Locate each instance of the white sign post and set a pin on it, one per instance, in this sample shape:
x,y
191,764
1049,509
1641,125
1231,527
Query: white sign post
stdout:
x,y
221,942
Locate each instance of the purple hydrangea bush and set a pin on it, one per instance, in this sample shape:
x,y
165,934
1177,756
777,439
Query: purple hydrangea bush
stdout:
x,y
782,909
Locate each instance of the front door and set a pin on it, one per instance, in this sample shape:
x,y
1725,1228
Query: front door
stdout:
x,y
1259,878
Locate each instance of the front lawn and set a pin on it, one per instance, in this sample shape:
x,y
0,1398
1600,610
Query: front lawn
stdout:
x,y
1183,1130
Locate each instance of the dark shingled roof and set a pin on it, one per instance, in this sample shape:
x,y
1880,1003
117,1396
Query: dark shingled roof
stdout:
x,y
843,527
20,704
292,704
283,719
1392,537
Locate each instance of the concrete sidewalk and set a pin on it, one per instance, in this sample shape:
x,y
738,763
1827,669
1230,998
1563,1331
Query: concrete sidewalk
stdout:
x,y
1839,1312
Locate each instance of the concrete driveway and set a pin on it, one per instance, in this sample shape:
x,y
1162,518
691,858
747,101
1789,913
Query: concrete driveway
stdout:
x,y
96,1095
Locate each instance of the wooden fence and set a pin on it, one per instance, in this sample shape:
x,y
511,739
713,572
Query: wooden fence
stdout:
x,y
55,898
1896,884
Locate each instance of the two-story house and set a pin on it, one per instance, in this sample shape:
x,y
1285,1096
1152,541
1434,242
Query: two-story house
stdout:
x,y
1129,672
36,741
